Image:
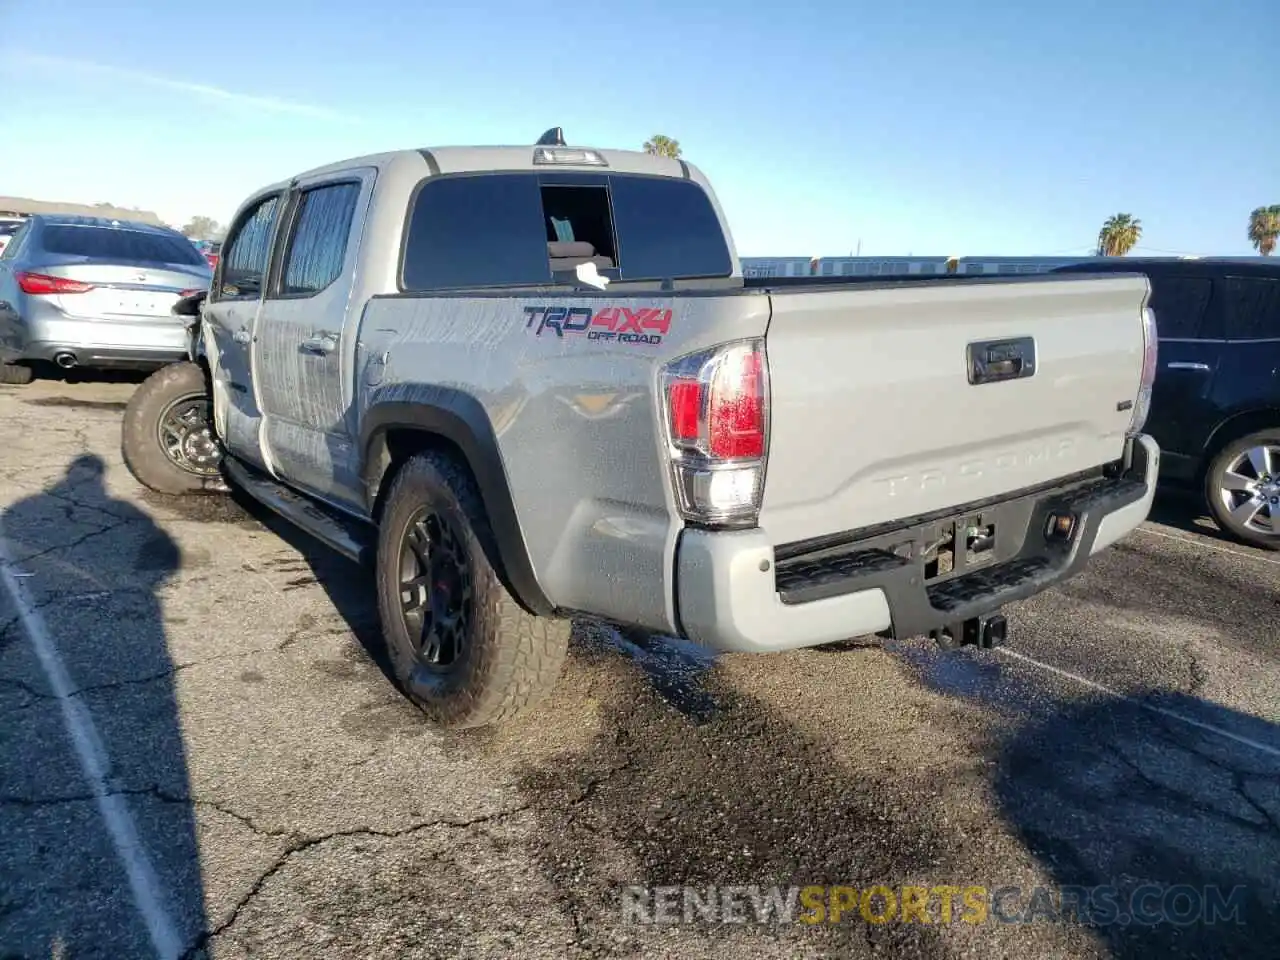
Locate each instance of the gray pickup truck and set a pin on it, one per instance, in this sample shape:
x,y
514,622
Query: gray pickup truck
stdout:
x,y
529,382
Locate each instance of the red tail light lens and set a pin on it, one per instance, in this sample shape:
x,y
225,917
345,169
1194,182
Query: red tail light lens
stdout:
x,y
717,413
685,405
38,284
737,407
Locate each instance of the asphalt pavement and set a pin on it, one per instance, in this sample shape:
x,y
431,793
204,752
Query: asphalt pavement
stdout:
x,y
200,755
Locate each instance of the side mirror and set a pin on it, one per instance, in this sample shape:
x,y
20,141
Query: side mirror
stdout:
x,y
188,304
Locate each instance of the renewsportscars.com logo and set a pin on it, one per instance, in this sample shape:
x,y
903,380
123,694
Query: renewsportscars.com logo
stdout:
x,y
620,324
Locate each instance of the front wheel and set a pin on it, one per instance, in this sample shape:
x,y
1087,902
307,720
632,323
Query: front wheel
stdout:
x,y
461,647
1242,487
167,439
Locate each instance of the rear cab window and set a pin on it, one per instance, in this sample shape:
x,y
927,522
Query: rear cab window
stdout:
x,y
117,243
529,229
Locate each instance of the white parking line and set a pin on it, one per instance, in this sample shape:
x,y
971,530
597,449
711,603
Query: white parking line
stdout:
x,y
1209,546
1150,707
143,882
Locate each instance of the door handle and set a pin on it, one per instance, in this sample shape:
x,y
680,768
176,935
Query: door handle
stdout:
x,y
241,336
321,343
1186,365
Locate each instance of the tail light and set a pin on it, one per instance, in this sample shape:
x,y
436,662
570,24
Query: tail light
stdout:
x,y
717,422
38,284
1142,405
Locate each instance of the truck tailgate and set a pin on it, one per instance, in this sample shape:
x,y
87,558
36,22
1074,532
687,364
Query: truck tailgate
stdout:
x,y
874,417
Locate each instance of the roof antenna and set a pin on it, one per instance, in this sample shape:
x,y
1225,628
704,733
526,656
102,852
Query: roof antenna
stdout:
x,y
552,138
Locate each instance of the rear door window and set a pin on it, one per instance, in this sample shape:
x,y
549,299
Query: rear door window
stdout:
x,y
1253,308
118,243
319,243
1180,304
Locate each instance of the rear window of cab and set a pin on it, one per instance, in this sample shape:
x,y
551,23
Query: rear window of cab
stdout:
x,y
524,229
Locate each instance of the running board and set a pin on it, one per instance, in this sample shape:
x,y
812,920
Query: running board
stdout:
x,y
346,535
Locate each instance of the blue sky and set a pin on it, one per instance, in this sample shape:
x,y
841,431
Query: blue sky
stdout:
x,y
995,127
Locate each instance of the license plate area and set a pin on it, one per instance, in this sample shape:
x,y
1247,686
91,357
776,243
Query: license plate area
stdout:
x,y
141,304
956,546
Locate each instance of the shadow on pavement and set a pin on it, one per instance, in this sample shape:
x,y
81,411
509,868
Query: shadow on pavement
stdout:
x,y
54,373
90,566
1157,816
1149,817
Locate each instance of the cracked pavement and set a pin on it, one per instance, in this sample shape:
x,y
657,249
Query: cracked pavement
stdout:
x,y
292,804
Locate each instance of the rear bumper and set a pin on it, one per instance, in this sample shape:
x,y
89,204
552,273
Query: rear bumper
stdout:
x,y
735,594
108,342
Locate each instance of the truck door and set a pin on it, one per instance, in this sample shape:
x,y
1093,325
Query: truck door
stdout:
x,y
304,353
231,317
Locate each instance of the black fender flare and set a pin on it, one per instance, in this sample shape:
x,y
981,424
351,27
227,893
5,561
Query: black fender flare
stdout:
x,y
460,419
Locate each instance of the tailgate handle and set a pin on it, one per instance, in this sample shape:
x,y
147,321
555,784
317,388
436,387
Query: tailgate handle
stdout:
x,y
991,361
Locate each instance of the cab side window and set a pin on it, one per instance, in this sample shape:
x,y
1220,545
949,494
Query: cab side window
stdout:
x,y
243,263
318,246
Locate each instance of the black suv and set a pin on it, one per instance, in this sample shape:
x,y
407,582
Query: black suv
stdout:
x,y
1215,409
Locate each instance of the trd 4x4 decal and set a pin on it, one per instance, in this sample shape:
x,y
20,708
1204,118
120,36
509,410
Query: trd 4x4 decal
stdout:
x,y
623,324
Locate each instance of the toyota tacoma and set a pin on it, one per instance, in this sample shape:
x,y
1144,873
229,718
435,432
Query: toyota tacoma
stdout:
x,y
531,382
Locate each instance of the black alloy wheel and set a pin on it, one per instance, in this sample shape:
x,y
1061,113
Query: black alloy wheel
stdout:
x,y
435,590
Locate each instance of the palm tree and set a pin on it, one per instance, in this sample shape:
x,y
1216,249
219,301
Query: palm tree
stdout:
x,y
1264,228
1119,235
661,146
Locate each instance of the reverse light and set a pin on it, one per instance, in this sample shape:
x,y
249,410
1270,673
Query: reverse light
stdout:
x,y
717,409
1142,405
38,284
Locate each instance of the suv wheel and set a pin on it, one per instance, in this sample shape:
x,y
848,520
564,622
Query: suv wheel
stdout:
x,y
167,439
460,645
16,374
1242,487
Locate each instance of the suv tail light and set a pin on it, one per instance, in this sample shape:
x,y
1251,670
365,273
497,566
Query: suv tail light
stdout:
x,y
717,422
39,284
1142,405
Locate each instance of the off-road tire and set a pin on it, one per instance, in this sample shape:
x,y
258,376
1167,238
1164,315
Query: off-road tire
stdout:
x,y
1213,482
511,658
16,374
140,443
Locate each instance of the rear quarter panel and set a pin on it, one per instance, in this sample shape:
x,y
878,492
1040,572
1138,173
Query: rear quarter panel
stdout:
x,y
577,421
